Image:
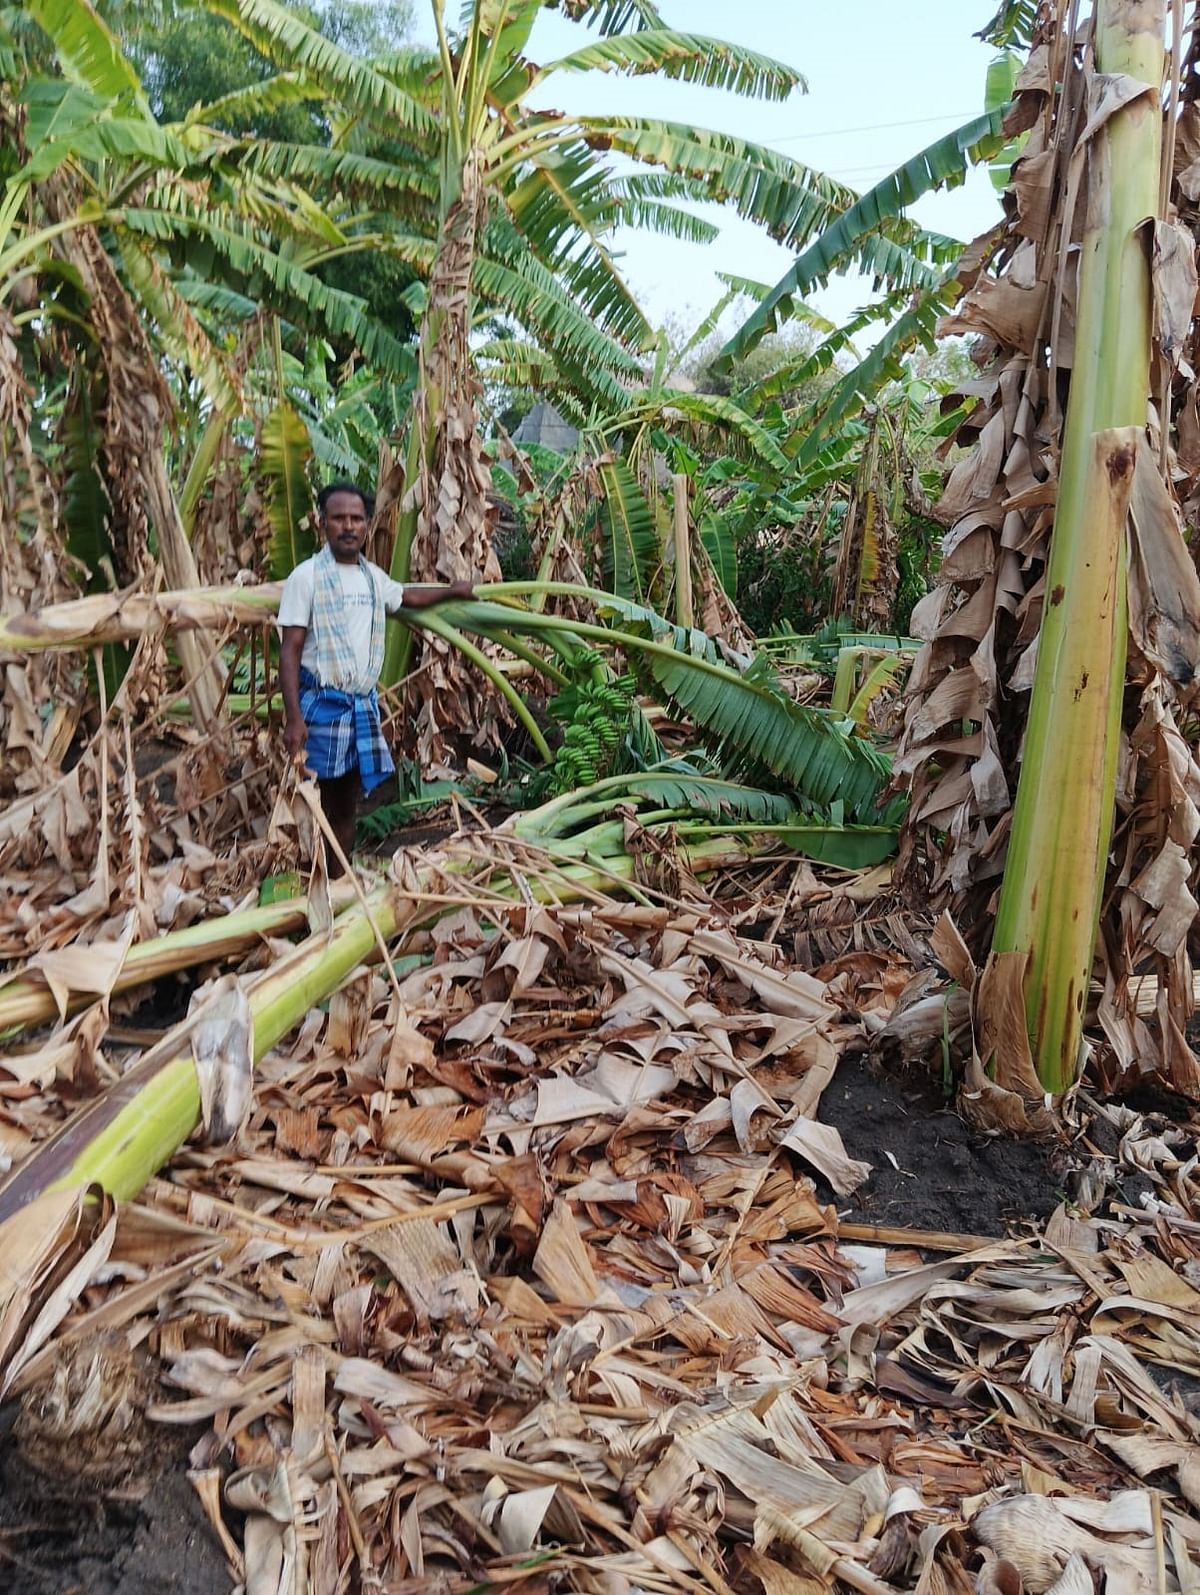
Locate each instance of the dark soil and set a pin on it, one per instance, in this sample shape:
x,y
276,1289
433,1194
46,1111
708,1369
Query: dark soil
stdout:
x,y
945,1177
75,1544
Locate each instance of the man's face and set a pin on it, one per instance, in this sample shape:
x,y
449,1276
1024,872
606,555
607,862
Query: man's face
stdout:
x,y
345,524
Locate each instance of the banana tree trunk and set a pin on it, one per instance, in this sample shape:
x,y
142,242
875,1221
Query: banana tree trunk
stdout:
x,y
121,1139
136,411
443,533
1062,821
127,1134
30,1001
123,617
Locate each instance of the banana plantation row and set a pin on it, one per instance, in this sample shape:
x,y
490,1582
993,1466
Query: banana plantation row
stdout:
x,y
730,703
779,594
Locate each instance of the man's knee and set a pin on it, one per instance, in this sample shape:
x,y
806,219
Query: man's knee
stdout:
x,y
339,792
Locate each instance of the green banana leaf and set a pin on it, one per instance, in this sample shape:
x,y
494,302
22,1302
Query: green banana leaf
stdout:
x,y
286,451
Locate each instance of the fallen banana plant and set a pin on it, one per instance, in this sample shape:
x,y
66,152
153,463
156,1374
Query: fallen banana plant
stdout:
x,y
758,731
124,617
119,1140
64,981
702,806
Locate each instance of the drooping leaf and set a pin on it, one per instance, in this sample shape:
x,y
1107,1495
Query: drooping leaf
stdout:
x,y
56,109
883,674
691,57
941,165
852,847
1002,74
727,415
631,553
812,363
760,729
328,171
183,336
242,106
529,293
286,451
880,365
75,124
757,727
1012,25
793,202
671,785
612,16
85,511
88,52
85,506
716,535
560,200
653,216
264,273
286,38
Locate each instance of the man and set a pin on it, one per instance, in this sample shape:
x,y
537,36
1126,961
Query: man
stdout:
x,y
331,616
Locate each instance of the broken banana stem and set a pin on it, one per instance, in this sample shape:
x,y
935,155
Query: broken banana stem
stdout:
x,y
29,1000
120,1140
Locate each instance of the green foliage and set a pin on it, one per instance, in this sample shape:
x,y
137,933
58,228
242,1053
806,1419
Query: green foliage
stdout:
x,y
280,888
714,63
756,728
630,553
284,35
1002,77
785,351
845,846
884,673
872,233
416,797
85,507
704,805
1011,26
86,49
286,452
676,784
719,544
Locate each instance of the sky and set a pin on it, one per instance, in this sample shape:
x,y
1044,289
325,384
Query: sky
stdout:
x,y
885,78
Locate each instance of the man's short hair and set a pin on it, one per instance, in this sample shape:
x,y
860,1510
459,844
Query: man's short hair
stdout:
x,y
330,488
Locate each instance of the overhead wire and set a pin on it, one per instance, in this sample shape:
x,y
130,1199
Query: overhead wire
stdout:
x,y
876,127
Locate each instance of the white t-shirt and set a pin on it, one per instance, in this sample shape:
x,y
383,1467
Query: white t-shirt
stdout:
x,y
296,607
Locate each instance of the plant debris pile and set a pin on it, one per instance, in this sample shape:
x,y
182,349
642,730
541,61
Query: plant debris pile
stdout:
x,y
517,1276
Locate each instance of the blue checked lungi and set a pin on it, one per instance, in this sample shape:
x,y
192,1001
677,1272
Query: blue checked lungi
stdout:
x,y
344,733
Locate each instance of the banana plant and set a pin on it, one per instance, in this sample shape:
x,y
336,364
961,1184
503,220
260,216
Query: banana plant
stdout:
x,y
756,731
123,1136
1054,877
874,235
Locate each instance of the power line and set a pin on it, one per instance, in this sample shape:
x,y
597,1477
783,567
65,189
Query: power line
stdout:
x,y
874,127
849,171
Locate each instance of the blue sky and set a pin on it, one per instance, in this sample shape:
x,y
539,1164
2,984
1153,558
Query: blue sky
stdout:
x,y
885,78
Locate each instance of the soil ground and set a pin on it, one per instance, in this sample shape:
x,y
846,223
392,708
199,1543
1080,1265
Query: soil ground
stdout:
x,y
944,1177
71,1544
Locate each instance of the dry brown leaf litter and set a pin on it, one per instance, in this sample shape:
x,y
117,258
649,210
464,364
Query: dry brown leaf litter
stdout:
x,y
518,1280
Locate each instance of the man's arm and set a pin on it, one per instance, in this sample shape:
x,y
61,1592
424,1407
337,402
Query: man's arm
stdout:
x,y
295,732
426,597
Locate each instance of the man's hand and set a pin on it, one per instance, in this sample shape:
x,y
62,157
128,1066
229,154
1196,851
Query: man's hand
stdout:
x,y
426,597
295,738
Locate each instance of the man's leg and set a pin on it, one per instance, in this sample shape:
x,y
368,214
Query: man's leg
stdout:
x,y
339,799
